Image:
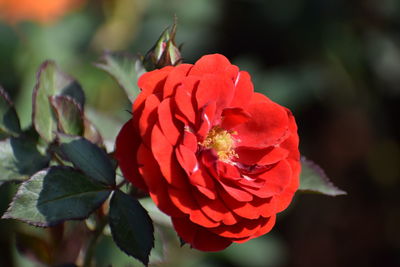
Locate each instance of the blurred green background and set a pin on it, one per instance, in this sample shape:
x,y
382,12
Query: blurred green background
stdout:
x,y
334,63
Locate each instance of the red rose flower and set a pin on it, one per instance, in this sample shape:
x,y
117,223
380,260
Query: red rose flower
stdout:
x,y
217,157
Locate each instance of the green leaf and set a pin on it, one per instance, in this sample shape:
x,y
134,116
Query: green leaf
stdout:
x,y
69,114
89,158
55,195
20,158
125,69
9,121
314,179
50,82
131,226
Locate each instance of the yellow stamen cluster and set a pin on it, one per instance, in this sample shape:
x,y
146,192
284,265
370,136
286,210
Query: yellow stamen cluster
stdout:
x,y
222,142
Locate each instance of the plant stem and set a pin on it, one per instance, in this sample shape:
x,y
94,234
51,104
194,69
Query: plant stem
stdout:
x,y
87,261
121,184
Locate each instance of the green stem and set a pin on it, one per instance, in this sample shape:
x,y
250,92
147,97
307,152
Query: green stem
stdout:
x,y
90,249
121,184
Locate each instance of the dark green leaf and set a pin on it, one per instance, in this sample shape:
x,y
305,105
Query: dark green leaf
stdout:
x,y
314,179
50,82
131,226
89,158
69,114
9,121
20,158
125,69
54,195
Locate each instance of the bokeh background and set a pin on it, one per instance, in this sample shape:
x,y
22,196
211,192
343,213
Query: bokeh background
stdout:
x,y
334,63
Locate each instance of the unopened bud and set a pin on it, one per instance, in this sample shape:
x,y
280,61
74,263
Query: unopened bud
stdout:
x,y
164,52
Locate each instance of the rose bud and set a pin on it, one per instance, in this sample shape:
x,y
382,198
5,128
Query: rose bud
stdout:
x,y
164,52
219,158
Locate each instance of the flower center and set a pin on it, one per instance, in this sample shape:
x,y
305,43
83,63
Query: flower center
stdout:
x,y
222,142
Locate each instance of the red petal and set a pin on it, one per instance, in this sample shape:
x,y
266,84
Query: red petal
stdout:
x,y
206,120
232,72
198,237
268,125
243,90
266,226
184,99
236,193
266,206
249,210
207,241
187,159
243,209
153,81
167,123
164,154
283,200
228,171
206,191
126,146
241,229
292,143
183,200
158,188
137,107
148,168
276,180
263,156
249,182
190,141
214,88
215,209
215,63
175,78
232,117
199,217
204,183
148,118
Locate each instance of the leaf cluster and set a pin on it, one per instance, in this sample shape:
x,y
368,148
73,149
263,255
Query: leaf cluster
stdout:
x,y
63,169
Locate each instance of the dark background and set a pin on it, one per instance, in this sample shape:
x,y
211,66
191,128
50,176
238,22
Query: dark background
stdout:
x,y
334,63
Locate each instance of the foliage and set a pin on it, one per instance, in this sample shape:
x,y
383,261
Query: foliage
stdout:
x,y
63,167
65,173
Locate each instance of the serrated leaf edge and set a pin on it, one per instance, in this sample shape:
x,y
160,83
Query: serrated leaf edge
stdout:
x,y
122,249
323,175
103,65
6,214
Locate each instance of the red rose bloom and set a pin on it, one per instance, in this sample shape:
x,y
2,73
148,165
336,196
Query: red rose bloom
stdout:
x,y
217,157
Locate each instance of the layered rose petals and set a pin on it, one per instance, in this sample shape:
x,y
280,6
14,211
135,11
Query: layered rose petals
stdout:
x,y
218,158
